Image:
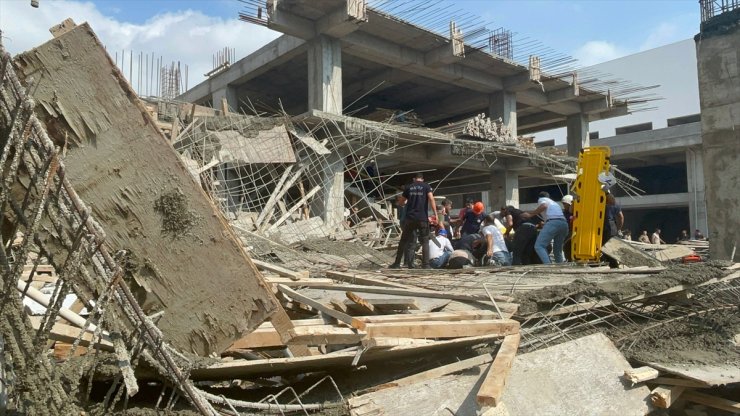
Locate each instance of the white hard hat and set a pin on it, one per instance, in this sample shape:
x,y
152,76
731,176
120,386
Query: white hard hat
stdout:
x,y
568,199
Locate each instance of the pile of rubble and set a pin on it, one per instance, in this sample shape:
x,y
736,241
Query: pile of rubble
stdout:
x,y
191,271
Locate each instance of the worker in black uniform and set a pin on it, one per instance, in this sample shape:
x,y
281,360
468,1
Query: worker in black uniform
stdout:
x,y
417,198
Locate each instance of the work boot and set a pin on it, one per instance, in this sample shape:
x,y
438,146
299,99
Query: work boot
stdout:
x,y
394,266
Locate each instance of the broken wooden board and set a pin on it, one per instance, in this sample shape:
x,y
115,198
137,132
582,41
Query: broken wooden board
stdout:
x,y
185,259
336,361
713,375
493,385
579,377
436,329
627,255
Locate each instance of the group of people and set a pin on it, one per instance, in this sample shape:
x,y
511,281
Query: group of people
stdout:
x,y
505,237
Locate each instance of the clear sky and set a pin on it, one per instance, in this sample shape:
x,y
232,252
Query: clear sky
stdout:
x,y
594,31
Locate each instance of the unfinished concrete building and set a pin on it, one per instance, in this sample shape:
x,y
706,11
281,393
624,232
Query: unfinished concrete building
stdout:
x,y
350,62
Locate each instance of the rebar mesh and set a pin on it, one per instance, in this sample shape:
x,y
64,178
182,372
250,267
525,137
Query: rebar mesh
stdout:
x,y
42,212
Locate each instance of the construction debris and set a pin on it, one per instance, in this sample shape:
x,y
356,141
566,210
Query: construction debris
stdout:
x,y
164,250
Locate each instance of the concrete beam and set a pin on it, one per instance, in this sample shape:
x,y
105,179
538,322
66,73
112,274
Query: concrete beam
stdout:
x,y
338,23
596,106
378,82
563,94
275,53
449,53
366,46
539,119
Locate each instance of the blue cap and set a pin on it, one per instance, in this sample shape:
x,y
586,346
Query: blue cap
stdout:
x,y
442,232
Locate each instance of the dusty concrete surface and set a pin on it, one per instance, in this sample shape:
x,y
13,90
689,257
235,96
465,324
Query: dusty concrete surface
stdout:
x,y
620,289
586,371
188,262
717,51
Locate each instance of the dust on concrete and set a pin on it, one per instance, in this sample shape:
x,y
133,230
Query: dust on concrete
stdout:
x,y
177,218
701,340
619,289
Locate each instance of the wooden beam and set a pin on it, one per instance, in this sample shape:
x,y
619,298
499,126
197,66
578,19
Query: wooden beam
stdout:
x,y
342,317
436,329
282,324
324,334
280,271
294,208
490,392
361,322
664,396
68,333
393,304
390,342
640,374
712,401
298,283
362,280
359,303
671,381
422,293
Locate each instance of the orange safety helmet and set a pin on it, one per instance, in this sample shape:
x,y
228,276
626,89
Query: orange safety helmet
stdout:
x,y
478,208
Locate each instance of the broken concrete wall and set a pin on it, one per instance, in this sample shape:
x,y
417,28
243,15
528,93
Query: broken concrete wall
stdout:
x,y
178,252
718,56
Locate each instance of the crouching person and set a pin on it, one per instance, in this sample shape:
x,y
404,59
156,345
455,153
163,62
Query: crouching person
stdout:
x,y
496,251
440,253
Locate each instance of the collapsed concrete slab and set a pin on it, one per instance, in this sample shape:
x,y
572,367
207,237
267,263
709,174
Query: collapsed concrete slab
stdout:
x,y
178,253
580,377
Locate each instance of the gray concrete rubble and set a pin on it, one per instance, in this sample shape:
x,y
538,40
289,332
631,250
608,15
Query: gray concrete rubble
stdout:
x,y
201,255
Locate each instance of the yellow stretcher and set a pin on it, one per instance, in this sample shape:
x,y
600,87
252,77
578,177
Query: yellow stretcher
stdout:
x,y
589,203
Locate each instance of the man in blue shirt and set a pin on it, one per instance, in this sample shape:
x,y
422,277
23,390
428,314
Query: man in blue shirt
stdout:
x,y
417,198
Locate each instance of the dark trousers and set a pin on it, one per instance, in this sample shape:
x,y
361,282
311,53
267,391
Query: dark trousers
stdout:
x,y
523,245
406,245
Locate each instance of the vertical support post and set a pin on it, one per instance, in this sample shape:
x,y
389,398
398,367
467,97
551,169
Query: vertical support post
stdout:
x,y
325,75
502,104
697,199
577,135
504,189
228,94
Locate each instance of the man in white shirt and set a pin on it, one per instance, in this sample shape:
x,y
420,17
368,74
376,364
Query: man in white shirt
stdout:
x,y
438,255
555,228
656,237
496,252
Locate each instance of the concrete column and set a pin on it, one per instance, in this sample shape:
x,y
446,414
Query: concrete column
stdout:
x,y
577,136
229,93
329,202
504,189
697,198
502,104
325,75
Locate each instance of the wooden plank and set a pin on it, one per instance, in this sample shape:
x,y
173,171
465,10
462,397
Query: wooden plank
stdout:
x,y
712,401
421,293
279,270
282,324
277,197
389,342
435,372
435,329
361,322
671,381
355,278
360,304
664,396
270,204
325,334
298,283
293,209
68,333
492,389
393,304
338,305
640,374
340,316
259,338
336,360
